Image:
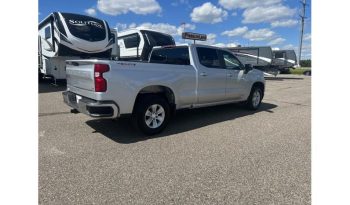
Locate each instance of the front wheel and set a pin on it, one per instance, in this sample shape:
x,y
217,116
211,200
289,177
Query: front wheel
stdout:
x,y
151,114
254,100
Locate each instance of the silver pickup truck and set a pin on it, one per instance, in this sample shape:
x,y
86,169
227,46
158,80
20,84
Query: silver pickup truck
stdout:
x,y
176,77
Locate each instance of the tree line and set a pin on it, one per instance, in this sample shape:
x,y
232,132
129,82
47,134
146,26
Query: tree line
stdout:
x,y
305,63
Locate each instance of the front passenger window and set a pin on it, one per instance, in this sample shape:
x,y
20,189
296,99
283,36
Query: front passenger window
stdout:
x,y
231,62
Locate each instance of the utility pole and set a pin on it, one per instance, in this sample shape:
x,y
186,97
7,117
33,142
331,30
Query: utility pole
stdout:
x,y
303,17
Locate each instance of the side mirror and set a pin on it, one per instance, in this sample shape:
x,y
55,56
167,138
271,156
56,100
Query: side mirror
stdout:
x,y
247,68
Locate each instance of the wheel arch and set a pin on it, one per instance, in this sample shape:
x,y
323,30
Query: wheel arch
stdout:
x,y
260,85
162,90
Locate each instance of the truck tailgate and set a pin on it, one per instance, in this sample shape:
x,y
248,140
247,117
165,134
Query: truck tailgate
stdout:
x,y
80,74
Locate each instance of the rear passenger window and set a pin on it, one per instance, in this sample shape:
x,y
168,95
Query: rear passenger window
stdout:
x,y
178,56
208,57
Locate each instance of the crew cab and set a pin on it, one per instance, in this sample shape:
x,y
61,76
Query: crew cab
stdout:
x,y
175,77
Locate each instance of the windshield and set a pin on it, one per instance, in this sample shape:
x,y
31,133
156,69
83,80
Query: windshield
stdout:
x,y
85,27
158,39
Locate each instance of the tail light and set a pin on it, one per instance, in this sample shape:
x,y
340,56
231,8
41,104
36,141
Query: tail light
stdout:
x,y
100,82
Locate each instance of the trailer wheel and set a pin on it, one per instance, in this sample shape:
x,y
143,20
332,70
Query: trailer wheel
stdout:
x,y
151,114
254,100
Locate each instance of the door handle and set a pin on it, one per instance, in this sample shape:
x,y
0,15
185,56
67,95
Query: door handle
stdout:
x,y
229,74
203,74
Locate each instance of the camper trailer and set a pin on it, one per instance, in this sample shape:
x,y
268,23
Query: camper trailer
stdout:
x,y
284,59
137,43
259,57
66,36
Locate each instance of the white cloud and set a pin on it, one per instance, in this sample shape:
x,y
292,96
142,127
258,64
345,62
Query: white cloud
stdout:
x,y
275,48
235,32
290,47
161,27
208,13
133,25
259,34
267,13
211,38
181,3
117,7
307,36
284,23
243,4
91,11
277,41
222,45
232,45
121,26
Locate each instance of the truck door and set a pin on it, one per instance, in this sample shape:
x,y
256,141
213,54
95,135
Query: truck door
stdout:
x,y
236,82
211,76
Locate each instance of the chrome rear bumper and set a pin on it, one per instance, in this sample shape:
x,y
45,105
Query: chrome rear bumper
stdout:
x,y
93,108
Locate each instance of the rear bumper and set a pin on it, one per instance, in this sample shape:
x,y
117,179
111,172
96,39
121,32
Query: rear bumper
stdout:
x,y
93,108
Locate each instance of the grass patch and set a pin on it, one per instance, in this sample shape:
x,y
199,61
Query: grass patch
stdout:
x,y
299,71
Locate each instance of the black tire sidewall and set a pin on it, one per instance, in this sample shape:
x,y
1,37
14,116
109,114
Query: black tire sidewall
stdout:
x,y
249,101
142,105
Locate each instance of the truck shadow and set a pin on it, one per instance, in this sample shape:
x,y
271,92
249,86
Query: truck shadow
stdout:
x,y
48,86
283,78
122,131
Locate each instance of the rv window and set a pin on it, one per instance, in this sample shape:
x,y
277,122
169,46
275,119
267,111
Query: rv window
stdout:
x,y
158,39
230,61
279,55
131,41
208,57
48,32
85,27
178,56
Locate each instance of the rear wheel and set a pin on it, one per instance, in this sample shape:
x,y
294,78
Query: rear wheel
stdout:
x,y
151,114
254,100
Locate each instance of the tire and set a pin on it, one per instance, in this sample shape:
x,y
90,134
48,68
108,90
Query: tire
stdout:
x,y
151,114
254,100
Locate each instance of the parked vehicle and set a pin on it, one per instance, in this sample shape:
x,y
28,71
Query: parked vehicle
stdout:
x,y
283,60
176,77
137,43
64,36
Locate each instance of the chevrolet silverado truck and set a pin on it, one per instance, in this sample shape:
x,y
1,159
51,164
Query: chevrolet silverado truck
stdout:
x,y
175,77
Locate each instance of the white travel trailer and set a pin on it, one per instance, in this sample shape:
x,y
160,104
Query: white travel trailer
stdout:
x,y
258,57
66,36
137,43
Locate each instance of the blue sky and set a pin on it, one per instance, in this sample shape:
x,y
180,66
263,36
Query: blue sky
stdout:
x,y
226,22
